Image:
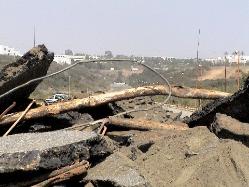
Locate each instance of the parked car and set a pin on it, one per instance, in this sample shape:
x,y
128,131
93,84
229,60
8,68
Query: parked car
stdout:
x,y
56,98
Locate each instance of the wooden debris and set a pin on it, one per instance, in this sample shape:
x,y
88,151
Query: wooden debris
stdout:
x,y
20,118
65,174
56,176
193,93
141,124
101,99
7,110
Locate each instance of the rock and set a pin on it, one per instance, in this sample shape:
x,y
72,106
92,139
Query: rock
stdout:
x,y
75,117
89,184
227,127
33,64
37,127
124,138
145,145
47,151
116,170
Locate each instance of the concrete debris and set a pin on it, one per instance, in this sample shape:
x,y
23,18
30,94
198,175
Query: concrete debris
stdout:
x,y
116,171
49,150
33,64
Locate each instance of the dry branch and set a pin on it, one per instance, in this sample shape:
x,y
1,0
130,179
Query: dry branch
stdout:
x,y
20,118
141,124
101,99
64,176
55,176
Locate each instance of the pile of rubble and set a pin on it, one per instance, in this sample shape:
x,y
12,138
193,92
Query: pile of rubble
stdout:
x,y
85,142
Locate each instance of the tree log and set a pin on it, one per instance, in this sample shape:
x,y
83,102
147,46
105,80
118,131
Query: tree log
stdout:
x,y
194,93
141,124
96,100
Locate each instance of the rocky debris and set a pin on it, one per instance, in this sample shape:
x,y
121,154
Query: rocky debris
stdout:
x,y
123,138
75,117
117,171
161,114
50,150
235,106
182,112
33,64
174,116
162,151
145,146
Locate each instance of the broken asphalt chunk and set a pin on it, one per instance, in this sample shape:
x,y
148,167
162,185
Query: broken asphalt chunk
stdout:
x,y
48,150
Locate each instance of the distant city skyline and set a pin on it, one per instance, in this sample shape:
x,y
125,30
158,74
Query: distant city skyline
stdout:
x,y
130,27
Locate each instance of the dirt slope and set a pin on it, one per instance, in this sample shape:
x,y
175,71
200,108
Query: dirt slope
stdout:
x,y
218,72
195,157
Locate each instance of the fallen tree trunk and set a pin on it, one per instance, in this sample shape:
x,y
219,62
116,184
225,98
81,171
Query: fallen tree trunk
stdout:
x,y
229,128
141,124
101,99
194,93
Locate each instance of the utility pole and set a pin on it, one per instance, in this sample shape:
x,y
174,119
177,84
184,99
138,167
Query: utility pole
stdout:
x,y
69,86
34,37
238,68
197,63
225,71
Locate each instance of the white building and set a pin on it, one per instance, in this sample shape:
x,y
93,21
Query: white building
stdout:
x,y
5,50
67,59
230,58
234,59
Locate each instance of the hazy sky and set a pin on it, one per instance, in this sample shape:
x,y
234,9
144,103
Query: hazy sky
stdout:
x,y
139,27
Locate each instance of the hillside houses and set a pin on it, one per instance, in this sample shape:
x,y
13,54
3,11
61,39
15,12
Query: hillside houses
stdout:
x,y
5,50
230,59
68,59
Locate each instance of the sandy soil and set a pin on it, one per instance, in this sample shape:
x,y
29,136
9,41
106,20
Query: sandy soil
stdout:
x,y
195,157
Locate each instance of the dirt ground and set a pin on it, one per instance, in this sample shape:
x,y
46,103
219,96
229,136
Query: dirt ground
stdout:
x,y
195,157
